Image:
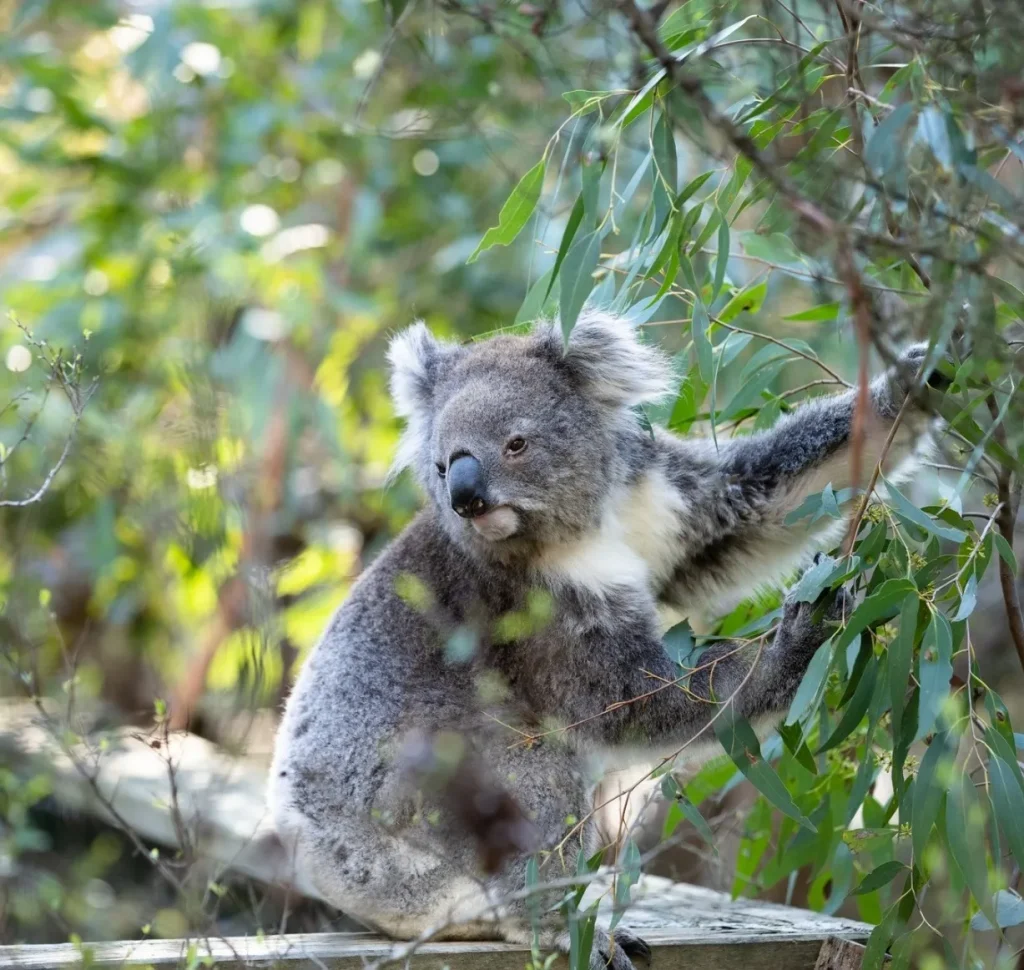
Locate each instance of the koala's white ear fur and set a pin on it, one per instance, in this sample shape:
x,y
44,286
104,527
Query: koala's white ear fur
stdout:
x,y
416,358
615,366
413,355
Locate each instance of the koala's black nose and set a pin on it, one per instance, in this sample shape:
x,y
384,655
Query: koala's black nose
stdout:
x,y
466,487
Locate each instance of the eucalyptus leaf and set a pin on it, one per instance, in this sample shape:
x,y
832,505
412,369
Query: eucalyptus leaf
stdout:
x,y
516,211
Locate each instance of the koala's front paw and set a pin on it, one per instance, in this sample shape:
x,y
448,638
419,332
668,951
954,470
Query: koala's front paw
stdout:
x,y
618,950
906,374
805,626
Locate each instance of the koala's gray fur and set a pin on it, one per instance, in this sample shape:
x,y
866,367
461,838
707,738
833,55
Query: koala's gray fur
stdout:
x,y
608,522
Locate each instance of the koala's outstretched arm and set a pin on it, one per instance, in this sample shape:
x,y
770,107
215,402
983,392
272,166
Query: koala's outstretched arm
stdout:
x,y
623,692
734,500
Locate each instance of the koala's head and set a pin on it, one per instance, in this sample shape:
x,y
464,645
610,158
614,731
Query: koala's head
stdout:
x,y
518,439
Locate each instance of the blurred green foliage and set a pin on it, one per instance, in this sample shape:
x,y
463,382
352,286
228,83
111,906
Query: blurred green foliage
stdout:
x,y
217,213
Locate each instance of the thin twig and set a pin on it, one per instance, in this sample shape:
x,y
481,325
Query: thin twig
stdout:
x,y
859,517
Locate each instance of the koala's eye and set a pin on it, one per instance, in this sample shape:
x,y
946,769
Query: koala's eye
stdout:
x,y
516,446
440,469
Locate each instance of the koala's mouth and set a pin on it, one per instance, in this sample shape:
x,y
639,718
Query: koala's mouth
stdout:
x,y
496,524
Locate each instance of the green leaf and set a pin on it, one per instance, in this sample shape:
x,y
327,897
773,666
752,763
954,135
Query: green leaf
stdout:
x,y
881,876
741,744
678,643
840,877
878,941
901,659
581,935
856,709
775,249
535,304
968,600
823,574
629,863
1005,552
578,279
884,154
930,790
936,669
880,604
827,311
965,829
811,684
691,396
681,807
907,510
666,168
692,186
751,391
722,259
575,217
516,211
1008,803
699,325
1009,910
748,300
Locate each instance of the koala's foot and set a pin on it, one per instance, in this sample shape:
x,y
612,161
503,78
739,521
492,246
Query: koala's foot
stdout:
x,y
617,950
633,946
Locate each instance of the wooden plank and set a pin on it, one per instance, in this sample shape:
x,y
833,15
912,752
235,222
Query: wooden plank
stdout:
x,y
688,927
839,954
321,951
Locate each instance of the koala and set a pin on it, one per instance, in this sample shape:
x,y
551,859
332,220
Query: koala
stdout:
x,y
556,525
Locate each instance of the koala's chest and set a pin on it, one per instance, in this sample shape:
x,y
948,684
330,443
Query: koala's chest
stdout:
x,y
636,544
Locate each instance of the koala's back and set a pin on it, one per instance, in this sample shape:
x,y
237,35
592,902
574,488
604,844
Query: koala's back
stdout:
x,y
378,671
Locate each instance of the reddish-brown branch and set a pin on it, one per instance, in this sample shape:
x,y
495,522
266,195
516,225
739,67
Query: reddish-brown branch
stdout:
x,y
860,307
1006,521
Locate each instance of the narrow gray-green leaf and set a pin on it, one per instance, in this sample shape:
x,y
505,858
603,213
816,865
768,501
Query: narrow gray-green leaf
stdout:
x,y
881,876
965,832
741,744
827,311
968,601
1008,802
722,259
535,304
813,679
577,279
929,791
1009,909
701,341
901,659
516,211
934,672
881,603
567,237
908,510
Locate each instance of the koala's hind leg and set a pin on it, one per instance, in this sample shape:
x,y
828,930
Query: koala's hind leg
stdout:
x,y
425,878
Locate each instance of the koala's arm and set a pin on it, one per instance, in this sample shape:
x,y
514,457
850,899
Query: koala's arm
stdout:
x,y
630,696
733,500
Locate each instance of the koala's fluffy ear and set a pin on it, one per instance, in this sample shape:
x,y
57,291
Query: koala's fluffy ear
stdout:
x,y
612,364
417,360
415,356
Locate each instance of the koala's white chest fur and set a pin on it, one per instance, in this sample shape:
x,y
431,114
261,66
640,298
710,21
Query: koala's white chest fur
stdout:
x,y
635,545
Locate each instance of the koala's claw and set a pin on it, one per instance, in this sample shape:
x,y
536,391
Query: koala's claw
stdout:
x,y
614,951
909,364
